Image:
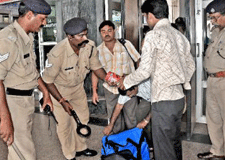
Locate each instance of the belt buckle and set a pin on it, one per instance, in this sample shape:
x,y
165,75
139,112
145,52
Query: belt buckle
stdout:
x,y
212,75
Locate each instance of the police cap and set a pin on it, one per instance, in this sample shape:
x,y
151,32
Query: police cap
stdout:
x,y
216,6
38,6
74,26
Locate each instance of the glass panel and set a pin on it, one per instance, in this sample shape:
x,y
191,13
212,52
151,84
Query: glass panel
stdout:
x,y
49,31
116,18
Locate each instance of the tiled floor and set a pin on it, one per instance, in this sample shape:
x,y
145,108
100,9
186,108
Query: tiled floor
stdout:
x,y
48,146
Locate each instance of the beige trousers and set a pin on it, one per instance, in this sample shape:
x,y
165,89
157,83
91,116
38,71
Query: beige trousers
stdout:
x,y
215,114
66,128
22,110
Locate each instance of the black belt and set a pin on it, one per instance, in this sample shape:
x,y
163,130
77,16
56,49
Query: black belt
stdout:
x,y
17,92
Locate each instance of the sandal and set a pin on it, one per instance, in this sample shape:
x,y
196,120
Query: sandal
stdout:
x,y
205,155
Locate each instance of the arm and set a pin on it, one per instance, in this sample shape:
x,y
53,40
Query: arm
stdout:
x,y
46,95
145,121
6,125
94,80
100,73
55,93
132,92
108,129
145,68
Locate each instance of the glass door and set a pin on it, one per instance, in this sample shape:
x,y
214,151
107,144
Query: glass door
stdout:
x,y
203,35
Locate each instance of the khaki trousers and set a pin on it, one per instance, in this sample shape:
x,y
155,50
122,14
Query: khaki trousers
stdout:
x,y
22,110
215,114
70,141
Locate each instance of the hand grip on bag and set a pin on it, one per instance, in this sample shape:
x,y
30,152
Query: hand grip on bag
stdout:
x,y
80,126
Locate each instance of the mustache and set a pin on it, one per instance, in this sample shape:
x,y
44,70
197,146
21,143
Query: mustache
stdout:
x,y
84,42
107,36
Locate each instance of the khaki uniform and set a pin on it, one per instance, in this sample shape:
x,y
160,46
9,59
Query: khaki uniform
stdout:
x,y
67,71
18,70
215,102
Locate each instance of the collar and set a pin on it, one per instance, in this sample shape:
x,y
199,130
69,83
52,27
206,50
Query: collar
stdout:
x,y
70,50
117,43
26,38
162,22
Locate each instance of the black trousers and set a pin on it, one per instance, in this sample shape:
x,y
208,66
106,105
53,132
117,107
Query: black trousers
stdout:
x,y
166,126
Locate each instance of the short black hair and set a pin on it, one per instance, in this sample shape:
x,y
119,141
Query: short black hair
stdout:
x,y
174,25
159,8
180,22
106,22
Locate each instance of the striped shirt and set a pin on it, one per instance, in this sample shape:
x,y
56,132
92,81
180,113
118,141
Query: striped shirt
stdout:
x,y
119,62
167,60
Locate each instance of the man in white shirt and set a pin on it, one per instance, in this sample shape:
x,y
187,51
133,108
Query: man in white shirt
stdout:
x,y
166,59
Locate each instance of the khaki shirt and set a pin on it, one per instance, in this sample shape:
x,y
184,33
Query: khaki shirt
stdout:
x,y
214,60
17,58
66,69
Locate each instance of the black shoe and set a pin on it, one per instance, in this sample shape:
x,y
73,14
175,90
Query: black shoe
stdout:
x,y
205,155
87,152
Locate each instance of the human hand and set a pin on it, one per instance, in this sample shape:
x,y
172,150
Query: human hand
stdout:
x,y
95,99
142,124
7,130
47,101
120,83
113,84
108,129
112,79
132,92
67,107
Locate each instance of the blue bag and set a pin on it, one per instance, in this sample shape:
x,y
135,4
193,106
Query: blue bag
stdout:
x,y
130,144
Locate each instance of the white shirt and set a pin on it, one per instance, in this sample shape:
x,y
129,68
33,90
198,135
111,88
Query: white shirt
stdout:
x,y
144,91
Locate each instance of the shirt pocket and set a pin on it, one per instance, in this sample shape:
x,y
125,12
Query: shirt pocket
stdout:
x,y
25,65
70,73
123,58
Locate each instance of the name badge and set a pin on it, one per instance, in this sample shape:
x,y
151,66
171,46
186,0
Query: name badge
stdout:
x,y
26,55
69,68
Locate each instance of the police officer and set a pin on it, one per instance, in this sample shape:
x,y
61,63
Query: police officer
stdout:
x,y
19,76
66,68
214,64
